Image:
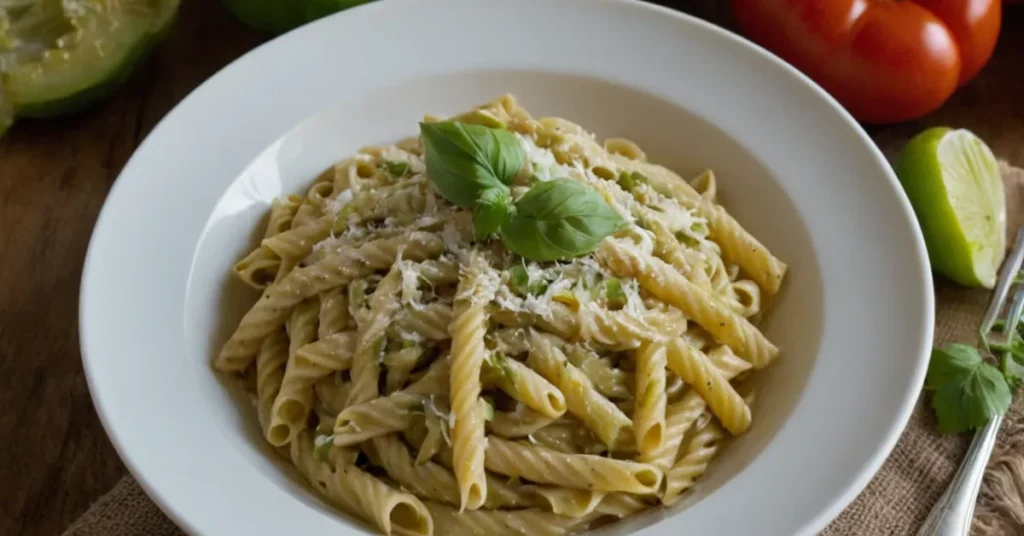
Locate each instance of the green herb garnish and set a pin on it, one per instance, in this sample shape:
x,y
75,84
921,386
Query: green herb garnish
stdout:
x,y
518,279
472,166
966,390
559,219
396,169
465,160
491,211
614,295
631,179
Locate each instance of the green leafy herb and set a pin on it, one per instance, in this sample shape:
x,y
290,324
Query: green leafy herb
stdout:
x,y
629,180
473,165
614,294
559,219
966,391
518,279
322,446
396,169
538,287
492,209
464,160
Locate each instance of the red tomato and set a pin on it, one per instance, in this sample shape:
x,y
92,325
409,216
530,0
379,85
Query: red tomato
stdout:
x,y
884,60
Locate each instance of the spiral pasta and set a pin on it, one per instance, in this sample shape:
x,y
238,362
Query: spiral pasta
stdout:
x,y
427,379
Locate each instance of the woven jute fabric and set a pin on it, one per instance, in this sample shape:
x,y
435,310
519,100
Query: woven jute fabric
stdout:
x,y
895,502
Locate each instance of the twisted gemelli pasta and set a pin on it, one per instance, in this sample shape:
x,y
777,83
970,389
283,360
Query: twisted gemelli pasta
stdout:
x,y
581,471
356,491
277,301
469,324
372,338
429,379
524,384
649,412
529,522
708,311
333,313
703,376
270,365
681,415
567,501
307,365
609,423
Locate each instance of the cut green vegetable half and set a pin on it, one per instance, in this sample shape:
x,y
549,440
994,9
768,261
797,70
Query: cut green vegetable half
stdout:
x,y
279,16
953,182
57,57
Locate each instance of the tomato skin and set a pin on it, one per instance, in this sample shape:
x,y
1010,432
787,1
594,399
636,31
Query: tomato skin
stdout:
x,y
886,61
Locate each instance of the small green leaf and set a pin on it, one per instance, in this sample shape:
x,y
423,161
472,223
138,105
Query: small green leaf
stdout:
x,y
967,391
491,211
463,160
396,169
559,219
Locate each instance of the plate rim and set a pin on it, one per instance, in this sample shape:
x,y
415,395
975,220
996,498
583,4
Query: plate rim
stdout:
x,y
865,473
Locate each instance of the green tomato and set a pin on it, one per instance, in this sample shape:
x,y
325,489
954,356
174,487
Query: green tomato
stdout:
x,y
280,16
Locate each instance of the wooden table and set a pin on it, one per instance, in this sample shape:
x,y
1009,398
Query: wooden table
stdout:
x,y
55,458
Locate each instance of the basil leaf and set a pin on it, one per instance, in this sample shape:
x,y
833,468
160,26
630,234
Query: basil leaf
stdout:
x,y
559,219
465,160
491,211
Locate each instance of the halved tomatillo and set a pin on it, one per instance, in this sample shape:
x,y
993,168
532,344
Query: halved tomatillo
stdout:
x,y
59,56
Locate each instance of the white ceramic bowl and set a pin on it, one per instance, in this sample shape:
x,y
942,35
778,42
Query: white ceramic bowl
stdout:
x,y
854,320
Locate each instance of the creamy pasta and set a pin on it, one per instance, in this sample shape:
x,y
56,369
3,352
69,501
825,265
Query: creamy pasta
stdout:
x,y
502,326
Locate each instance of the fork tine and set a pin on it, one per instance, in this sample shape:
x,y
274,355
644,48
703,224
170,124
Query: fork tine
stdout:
x,y
1007,274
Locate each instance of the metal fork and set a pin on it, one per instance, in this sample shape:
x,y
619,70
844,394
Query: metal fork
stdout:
x,y
952,515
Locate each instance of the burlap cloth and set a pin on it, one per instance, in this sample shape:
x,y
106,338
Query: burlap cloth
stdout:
x,y
896,501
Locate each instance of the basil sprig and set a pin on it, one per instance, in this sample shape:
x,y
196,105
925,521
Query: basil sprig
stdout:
x,y
464,160
472,166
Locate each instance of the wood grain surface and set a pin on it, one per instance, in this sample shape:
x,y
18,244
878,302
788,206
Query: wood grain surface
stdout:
x,y
55,458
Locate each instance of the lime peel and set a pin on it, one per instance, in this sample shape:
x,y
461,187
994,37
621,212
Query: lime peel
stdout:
x,y
953,182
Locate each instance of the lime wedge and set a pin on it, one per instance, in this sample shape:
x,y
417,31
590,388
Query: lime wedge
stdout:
x,y
953,182
58,56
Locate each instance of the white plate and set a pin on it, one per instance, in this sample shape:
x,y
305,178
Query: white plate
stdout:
x,y
854,320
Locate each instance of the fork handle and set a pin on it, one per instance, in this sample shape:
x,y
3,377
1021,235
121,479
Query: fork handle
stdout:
x,y
952,515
